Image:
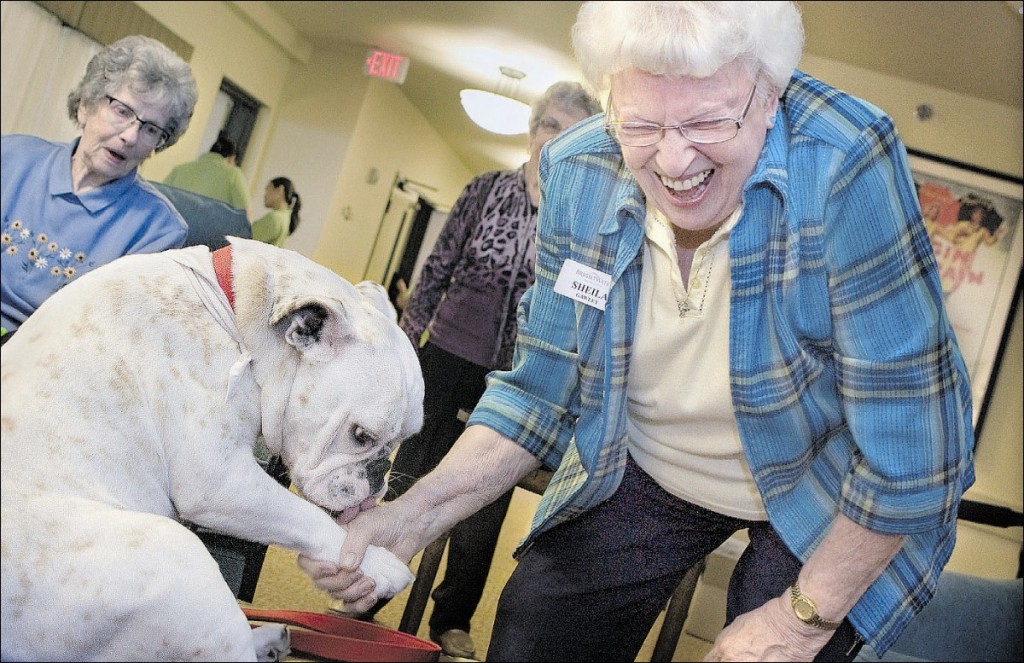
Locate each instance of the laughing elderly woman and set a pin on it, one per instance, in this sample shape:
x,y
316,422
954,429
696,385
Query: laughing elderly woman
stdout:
x,y
69,208
761,346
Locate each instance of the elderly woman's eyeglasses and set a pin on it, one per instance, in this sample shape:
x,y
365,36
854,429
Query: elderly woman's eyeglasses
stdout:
x,y
704,132
121,115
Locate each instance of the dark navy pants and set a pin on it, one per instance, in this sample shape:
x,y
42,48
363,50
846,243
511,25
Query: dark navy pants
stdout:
x,y
590,589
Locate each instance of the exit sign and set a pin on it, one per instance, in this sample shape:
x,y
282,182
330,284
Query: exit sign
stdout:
x,y
389,66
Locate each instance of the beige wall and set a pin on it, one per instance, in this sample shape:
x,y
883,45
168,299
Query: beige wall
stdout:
x,y
310,141
327,126
963,128
391,138
225,46
989,551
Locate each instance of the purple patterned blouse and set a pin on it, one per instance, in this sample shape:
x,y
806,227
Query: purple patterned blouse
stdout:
x,y
480,267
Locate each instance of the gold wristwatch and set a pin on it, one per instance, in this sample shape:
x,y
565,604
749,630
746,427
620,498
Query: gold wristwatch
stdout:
x,y
807,612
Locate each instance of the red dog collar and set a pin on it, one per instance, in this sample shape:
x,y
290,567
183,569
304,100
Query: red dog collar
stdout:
x,y
222,266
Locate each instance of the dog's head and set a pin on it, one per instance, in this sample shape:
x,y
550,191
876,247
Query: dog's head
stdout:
x,y
357,392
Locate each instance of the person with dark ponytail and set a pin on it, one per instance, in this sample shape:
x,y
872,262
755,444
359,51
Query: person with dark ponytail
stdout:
x,y
283,218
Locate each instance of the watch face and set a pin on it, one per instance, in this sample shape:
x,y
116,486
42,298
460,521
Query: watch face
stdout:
x,y
803,609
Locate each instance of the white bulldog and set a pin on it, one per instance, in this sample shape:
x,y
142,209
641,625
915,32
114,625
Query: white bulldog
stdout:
x,y
134,397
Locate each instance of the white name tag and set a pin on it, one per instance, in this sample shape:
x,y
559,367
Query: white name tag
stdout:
x,y
584,284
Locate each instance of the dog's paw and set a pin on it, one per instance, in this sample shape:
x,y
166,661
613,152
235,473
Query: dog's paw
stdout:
x,y
272,642
388,572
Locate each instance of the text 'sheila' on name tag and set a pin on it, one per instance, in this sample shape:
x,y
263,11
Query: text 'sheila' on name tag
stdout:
x,y
584,284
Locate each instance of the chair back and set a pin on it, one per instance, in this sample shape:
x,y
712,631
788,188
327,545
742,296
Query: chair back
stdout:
x,y
209,220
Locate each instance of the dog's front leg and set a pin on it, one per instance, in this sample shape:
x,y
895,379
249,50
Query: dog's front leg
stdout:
x,y
251,505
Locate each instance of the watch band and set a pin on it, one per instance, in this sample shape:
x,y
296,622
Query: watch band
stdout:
x,y
807,612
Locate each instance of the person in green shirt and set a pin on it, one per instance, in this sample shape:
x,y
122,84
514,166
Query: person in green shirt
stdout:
x,y
216,175
283,218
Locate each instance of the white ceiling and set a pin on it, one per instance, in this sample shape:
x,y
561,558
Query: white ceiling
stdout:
x,y
973,48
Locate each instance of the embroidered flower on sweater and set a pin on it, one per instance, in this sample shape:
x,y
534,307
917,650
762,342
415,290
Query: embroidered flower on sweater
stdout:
x,y
40,251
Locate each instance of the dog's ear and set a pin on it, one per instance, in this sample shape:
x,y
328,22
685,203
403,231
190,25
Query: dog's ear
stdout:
x,y
316,327
376,295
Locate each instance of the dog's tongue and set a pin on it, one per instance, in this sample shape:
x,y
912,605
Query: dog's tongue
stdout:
x,y
346,515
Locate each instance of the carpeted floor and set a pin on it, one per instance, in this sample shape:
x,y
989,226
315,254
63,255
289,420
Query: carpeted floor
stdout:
x,y
283,585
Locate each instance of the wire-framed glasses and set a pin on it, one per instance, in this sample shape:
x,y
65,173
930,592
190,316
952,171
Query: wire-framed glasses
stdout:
x,y
705,132
122,115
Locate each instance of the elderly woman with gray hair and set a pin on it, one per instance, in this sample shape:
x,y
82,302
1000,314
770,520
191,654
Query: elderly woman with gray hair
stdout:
x,y
69,208
737,324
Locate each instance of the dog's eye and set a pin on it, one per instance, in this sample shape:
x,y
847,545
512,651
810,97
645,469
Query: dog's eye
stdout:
x,y
363,437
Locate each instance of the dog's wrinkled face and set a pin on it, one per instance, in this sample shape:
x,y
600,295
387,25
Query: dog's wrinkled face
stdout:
x,y
347,413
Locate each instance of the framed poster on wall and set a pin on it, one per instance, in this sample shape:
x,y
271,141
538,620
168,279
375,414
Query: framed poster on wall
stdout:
x,y
974,221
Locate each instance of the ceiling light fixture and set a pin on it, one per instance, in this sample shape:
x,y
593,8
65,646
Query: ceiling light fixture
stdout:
x,y
498,112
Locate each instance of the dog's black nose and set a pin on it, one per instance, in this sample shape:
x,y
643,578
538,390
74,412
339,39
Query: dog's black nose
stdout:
x,y
376,470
